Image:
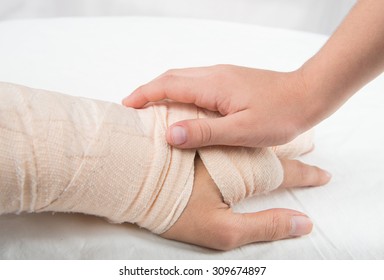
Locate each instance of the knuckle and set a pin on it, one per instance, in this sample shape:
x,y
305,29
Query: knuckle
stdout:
x,y
299,172
168,77
140,90
206,133
303,174
169,72
276,227
167,81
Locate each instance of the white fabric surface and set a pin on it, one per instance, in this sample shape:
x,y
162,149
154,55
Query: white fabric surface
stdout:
x,y
308,15
106,58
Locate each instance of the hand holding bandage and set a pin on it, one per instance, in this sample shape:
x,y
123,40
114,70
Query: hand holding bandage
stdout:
x,y
69,154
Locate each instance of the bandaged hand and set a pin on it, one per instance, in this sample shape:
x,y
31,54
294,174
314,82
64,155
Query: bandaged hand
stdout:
x,y
69,154
208,221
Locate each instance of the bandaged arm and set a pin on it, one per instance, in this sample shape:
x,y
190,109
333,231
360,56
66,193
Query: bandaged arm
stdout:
x,y
69,154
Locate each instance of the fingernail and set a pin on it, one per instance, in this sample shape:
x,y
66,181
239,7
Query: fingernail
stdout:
x,y
300,225
329,175
179,135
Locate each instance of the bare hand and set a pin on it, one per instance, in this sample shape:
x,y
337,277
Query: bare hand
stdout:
x,y
259,107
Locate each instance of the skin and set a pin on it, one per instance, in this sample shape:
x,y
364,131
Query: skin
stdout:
x,y
268,108
207,221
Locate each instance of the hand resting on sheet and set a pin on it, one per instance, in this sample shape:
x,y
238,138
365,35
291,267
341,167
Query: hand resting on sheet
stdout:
x,y
207,221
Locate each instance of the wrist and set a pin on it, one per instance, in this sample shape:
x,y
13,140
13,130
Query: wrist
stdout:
x,y
319,97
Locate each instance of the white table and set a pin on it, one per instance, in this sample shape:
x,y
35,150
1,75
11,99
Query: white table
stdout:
x,y
106,58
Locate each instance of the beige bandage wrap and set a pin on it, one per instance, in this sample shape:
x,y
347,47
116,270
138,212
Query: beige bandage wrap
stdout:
x,y
240,172
69,154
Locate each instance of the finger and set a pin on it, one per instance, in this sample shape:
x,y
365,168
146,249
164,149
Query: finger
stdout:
x,y
268,225
207,132
298,174
184,89
225,230
157,89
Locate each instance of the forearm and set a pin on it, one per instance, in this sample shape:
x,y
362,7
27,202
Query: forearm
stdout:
x,y
352,57
68,154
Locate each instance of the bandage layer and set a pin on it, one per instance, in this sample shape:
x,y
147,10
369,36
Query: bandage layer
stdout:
x,y
70,154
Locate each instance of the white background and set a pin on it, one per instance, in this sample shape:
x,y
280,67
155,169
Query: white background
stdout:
x,y
309,15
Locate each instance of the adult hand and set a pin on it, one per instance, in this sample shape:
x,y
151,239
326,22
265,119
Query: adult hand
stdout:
x,y
207,221
259,107
266,108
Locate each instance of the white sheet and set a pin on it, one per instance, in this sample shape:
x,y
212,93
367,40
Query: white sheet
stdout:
x,y
309,15
106,58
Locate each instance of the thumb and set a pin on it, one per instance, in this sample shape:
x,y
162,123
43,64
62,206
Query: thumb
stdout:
x,y
273,224
203,132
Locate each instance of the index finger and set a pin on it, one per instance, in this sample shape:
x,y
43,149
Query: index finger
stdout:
x,y
182,89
